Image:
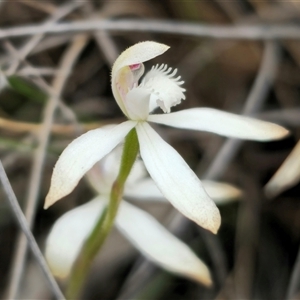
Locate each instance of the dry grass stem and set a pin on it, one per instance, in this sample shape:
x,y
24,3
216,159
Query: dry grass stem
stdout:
x,y
14,204
244,32
254,101
57,129
67,62
59,13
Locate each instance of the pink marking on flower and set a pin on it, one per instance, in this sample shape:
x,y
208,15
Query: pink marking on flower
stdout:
x,y
134,67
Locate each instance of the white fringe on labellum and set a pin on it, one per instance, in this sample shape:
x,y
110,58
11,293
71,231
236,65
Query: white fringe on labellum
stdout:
x,y
166,90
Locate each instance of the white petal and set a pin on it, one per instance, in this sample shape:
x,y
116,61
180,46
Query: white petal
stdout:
x,y
137,103
137,173
159,245
68,235
81,155
139,53
153,103
164,88
223,123
287,175
145,189
122,77
103,174
221,192
177,182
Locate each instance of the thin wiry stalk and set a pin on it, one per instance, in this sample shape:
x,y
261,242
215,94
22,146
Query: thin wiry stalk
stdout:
x,y
247,236
293,287
289,116
59,129
34,40
37,71
294,284
66,65
15,207
51,42
40,6
253,104
104,41
244,32
40,82
257,95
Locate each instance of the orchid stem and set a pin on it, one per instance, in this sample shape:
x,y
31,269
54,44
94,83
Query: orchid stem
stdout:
x,y
105,222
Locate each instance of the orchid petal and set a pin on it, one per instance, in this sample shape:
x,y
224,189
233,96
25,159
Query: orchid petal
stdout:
x,y
159,245
137,103
221,192
146,189
164,88
139,53
223,123
103,174
81,155
287,175
137,173
68,235
123,77
153,103
177,182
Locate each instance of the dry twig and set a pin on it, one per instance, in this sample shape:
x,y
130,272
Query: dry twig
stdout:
x,y
244,32
15,207
66,65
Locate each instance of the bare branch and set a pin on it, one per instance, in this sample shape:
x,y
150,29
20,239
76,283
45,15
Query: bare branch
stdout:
x,y
293,287
254,102
245,32
34,40
14,204
67,63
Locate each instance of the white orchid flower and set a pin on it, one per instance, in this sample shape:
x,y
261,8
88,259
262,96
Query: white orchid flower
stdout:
x,y
154,241
159,88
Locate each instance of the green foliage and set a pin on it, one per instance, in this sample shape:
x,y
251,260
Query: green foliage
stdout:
x,y
26,89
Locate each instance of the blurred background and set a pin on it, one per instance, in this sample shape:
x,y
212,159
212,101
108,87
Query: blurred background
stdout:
x,y
56,86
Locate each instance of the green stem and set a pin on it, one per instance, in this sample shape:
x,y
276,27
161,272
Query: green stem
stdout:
x,y
104,224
